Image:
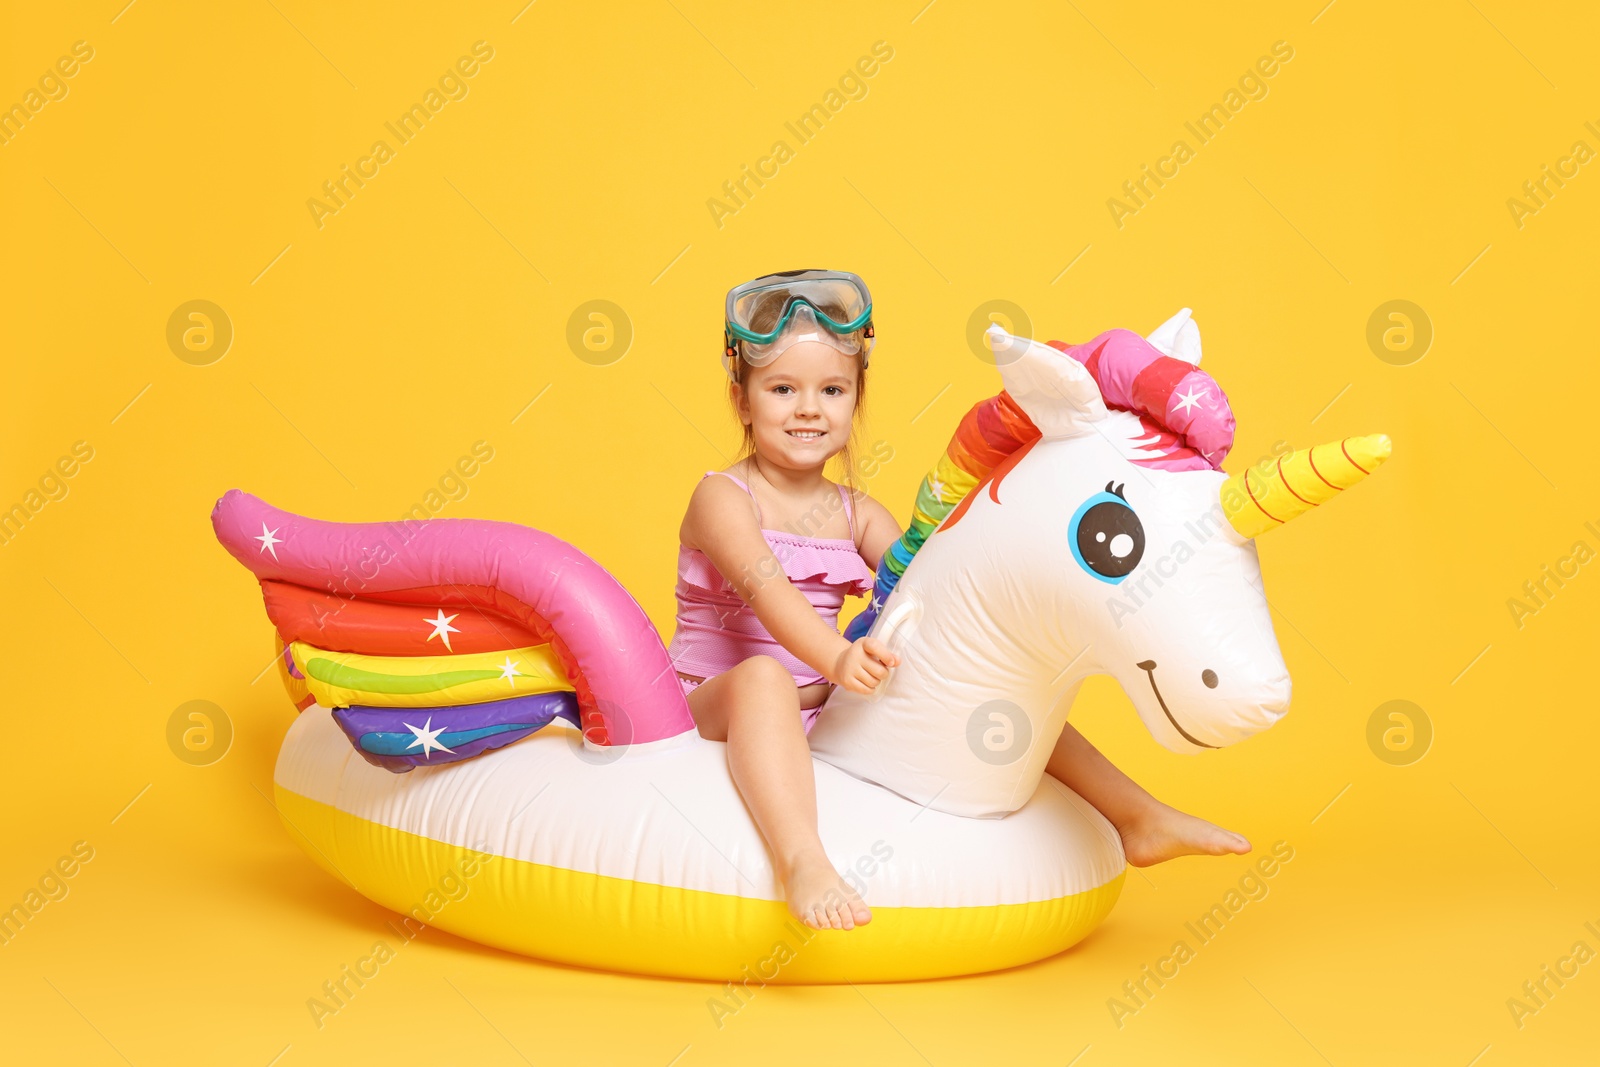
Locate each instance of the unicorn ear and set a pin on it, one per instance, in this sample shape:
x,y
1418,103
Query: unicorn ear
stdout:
x,y
1054,389
1178,337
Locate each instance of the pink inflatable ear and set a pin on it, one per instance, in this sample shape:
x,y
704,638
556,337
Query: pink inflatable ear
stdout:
x,y
1158,380
627,690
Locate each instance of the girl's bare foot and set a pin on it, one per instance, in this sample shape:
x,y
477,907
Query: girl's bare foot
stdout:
x,y
1162,832
821,899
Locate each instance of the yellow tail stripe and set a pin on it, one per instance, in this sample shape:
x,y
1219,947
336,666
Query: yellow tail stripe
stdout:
x,y
340,679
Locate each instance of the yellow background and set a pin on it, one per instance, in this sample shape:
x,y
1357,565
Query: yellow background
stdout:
x,y
432,309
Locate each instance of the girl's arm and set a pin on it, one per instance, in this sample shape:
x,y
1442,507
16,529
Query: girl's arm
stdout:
x,y
721,523
878,529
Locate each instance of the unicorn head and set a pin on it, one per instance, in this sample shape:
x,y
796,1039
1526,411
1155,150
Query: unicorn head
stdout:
x,y
1083,552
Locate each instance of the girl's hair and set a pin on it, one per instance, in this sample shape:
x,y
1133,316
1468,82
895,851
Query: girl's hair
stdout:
x,y
764,317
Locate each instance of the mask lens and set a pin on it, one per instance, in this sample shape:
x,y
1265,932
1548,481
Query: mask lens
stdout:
x,y
768,315
803,325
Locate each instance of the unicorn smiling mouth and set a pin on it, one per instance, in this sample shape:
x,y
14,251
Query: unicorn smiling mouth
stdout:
x,y
1149,667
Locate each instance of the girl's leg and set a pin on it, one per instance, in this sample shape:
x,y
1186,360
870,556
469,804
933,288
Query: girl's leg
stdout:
x,y
1151,831
755,707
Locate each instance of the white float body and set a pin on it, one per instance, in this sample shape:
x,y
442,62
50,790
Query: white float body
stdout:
x,y
645,859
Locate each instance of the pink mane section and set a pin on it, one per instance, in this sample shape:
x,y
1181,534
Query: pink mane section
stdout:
x,y
1184,419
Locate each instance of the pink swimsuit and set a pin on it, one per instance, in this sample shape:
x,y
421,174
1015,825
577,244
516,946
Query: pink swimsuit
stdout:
x,y
716,630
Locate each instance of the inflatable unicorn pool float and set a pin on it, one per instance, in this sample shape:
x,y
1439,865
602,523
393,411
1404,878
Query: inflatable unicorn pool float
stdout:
x,y
1076,525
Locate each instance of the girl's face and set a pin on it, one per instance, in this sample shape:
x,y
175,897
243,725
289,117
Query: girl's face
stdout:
x,y
800,405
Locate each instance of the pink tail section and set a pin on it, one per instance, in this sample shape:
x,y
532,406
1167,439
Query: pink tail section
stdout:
x,y
628,692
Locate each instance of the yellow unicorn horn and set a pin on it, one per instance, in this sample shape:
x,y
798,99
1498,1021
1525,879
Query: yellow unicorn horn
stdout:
x,y
1255,502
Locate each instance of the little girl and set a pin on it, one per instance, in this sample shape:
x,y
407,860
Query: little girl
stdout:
x,y
758,654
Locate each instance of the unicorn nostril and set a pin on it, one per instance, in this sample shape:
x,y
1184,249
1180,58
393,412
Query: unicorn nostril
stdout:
x,y
1209,677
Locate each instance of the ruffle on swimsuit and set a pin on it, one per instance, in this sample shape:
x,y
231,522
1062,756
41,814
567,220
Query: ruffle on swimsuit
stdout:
x,y
716,630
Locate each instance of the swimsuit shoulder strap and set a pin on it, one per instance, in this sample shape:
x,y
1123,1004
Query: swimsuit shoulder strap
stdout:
x,y
737,481
849,512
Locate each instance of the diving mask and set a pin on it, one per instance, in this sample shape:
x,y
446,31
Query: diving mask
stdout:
x,y
764,317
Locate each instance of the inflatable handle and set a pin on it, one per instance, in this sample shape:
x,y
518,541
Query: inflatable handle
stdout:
x,y
628,692
895,628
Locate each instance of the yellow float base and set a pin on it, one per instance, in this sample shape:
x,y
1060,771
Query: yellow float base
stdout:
x,y
614,924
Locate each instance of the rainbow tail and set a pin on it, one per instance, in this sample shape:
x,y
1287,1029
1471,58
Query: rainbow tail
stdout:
x,y
438,640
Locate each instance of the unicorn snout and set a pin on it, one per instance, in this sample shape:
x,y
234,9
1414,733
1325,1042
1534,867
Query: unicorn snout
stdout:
x,y
1267,703
1208,709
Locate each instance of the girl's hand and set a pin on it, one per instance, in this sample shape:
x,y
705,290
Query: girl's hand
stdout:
x,y
863,664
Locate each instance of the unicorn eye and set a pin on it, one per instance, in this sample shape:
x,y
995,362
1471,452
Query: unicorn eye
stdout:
x,y
1107,538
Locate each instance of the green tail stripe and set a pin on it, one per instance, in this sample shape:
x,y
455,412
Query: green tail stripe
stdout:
x,y
929,503
347,677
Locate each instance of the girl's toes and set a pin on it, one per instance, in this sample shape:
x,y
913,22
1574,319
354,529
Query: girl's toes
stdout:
x,y
1226,841
860,912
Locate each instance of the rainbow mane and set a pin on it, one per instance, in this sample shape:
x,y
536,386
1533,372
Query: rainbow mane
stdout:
x,y
1135,377
989,432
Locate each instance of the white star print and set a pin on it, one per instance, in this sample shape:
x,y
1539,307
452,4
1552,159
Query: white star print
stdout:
x,y
1189,399
268,540
509,672
877,603
428,738
442,628
936,487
